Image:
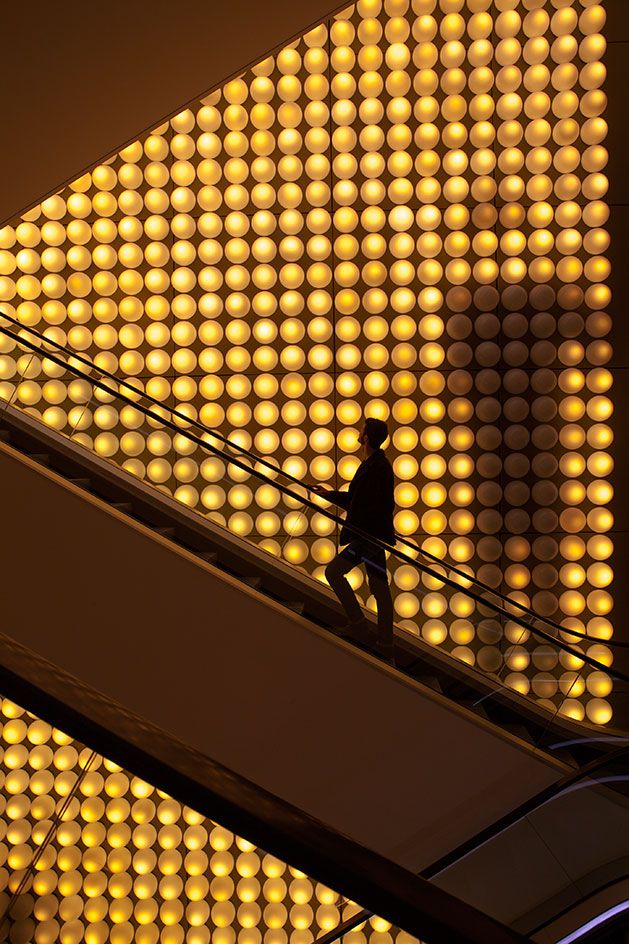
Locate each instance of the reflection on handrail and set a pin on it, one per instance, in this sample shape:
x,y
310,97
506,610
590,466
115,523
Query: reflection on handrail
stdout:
x,y
594,923
586,784
202,441
277,470
610,739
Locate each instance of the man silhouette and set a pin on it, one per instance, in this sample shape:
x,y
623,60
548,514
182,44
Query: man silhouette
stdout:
x,y
369,505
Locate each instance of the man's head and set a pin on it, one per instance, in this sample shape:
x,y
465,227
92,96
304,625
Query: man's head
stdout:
x,y
374,432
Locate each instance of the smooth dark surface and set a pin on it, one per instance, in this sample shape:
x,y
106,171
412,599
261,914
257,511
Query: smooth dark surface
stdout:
x,y
546,863
615,115
80,80
617,27
611,766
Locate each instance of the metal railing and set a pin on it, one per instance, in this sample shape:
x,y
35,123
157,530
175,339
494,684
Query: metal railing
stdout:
x,y
248,462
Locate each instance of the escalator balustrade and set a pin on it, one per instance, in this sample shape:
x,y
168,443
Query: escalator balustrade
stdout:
x,y
511,626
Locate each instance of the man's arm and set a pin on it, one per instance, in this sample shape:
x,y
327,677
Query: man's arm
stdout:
x,y
332,495
338,498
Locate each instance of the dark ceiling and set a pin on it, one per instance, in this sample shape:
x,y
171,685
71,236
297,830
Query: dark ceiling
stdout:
x,y
82,79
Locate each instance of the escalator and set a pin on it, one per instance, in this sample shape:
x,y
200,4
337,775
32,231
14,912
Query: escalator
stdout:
x,y
165,640
554,857
557,868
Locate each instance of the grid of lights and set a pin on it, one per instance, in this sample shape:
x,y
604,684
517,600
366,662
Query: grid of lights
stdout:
x,y
400,215
129,863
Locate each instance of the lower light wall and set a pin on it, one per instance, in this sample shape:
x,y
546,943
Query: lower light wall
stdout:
x,y
89,852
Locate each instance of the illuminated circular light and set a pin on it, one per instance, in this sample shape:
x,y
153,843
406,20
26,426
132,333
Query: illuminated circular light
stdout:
x,y
539,78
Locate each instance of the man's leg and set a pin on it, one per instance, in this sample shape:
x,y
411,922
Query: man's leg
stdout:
x,y
376,566
335,572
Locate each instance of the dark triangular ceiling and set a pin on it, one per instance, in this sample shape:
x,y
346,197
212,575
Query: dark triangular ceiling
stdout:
x,y
80,79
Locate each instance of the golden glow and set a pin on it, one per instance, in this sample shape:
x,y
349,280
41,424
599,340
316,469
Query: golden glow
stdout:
x,y
129,862
326,234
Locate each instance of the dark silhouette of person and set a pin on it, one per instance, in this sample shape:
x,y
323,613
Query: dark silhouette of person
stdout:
x,y
369,504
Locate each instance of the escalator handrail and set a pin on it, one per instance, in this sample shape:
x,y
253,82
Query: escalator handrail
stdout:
x,y
499,828
469,578
362,535
278,470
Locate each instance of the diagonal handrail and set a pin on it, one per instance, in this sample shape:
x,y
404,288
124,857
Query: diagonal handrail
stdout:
x,y
277,470
359,533
55,822
553,792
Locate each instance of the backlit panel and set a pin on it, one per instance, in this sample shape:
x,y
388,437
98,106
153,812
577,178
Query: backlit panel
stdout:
x,y
400,215
88,852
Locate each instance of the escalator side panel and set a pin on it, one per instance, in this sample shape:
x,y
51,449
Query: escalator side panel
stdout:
x,y
247,682
548,861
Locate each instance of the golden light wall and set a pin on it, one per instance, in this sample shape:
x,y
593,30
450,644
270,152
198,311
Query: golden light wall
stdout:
x,y
129,863
400,215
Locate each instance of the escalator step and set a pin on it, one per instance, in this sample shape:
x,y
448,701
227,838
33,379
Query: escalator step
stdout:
x,y
474,706
567,757
519,731
458,691
297,607
430,681
165,532
210,556
81,483
41,457
254,582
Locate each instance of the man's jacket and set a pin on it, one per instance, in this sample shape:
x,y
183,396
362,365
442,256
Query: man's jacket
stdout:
x,y
369,500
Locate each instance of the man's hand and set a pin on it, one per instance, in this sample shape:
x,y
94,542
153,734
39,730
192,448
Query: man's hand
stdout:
x,y
318,489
